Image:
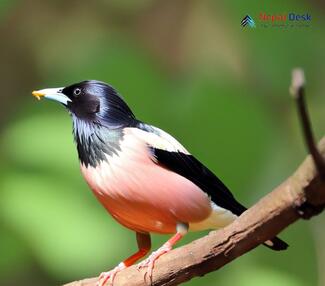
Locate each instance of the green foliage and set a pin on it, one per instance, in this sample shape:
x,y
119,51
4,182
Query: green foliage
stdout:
x,y
219,89
45,201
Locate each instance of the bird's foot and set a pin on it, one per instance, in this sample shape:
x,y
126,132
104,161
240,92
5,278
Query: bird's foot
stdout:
x,y
110,275
149,263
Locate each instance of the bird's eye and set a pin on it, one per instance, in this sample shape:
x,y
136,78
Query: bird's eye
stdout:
x,y
77,91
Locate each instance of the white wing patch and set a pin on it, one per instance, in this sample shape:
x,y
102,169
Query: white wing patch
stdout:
x,y
160,139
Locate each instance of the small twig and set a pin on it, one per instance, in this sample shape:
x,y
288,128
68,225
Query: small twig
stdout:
x,y
297,90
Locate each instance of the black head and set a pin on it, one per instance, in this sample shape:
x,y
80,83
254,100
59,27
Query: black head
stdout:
x,y
92,101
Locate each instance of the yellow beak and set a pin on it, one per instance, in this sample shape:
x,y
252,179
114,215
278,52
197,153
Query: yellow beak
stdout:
x,y
38,94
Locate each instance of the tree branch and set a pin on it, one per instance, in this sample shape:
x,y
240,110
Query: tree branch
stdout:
x,y
302,195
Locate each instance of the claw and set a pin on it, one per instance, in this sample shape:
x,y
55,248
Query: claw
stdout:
x,y
110,275
149,263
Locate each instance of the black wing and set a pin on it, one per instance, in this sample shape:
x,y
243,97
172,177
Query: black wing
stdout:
x,y
192,169
189,167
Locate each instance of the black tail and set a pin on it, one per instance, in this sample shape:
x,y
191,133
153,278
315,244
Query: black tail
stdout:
x,y
276,244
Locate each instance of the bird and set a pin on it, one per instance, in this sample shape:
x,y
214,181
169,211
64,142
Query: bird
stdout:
x,y
143,176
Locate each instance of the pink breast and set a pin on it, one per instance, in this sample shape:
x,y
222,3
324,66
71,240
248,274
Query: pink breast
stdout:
x,y
143,196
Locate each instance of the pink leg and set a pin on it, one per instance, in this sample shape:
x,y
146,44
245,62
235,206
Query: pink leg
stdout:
x,y
182,229
144,244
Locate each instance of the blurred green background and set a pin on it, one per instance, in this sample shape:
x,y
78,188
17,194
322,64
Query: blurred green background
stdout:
x,y
185,66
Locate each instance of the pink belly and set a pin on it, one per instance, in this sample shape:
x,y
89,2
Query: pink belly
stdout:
x,y
143,196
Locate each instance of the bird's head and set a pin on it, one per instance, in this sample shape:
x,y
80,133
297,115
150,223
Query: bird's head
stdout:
x,y
91,101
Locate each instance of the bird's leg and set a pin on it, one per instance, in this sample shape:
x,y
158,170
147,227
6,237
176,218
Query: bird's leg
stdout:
x,y
182,229
144,245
